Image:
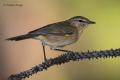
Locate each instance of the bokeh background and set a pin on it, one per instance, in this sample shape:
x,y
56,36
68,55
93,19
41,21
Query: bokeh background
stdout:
x,y
20,16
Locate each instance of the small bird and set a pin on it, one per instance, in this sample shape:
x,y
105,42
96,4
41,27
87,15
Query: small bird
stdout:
x,y
59,34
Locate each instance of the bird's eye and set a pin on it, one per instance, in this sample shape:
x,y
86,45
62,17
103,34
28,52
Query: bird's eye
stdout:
x,y
81,21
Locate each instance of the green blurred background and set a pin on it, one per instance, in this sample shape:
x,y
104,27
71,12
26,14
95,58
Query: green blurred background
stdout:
x,y
23,16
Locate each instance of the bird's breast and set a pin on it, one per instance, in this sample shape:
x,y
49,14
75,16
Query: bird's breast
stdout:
x,y
53,40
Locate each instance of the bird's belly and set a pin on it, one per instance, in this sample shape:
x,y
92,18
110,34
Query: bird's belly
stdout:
x,y
58,41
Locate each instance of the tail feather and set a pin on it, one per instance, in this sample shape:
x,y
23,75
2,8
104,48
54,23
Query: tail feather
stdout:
x,y
21,37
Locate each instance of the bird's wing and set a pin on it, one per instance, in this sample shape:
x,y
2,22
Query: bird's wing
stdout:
x,y
59,29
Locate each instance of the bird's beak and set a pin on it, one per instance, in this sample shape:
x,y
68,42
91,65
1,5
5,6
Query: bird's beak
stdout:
x,y
91,22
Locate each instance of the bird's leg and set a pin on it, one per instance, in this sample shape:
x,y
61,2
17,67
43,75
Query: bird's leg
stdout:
x,y
57,49
45,59
62,50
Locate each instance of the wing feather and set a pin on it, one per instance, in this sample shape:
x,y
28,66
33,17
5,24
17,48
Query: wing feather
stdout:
x,y
60,29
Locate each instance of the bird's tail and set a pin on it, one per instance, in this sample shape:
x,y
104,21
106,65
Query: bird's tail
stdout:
x,y
21,37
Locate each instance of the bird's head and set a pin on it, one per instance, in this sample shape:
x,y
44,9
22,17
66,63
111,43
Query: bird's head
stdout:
x,y
80,21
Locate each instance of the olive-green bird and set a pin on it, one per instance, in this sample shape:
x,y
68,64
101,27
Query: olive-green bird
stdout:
x,y
58,34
